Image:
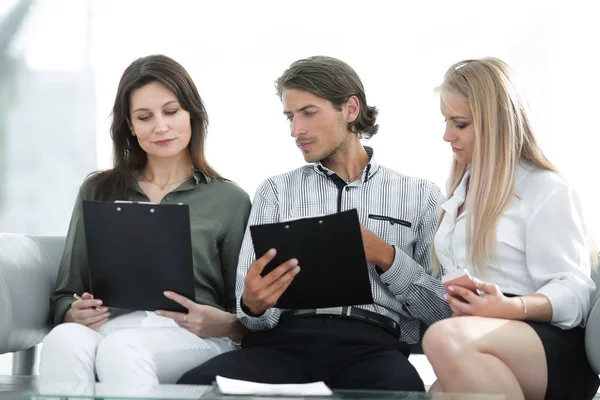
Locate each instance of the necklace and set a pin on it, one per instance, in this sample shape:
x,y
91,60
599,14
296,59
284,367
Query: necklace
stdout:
x,y
354,177
162,187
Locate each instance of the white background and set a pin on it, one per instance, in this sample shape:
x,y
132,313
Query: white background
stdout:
x,y
235,50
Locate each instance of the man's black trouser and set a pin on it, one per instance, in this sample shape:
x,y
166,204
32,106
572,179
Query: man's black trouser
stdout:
x,y
344,353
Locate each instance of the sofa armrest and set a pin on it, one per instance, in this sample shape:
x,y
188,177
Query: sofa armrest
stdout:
x,y
28,269
592,330
592,336
23,362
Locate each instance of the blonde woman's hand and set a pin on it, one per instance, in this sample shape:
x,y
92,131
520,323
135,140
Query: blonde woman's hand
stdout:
x,y
87,311
490,303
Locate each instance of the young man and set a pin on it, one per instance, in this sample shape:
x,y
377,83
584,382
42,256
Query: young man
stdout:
x,y
364,347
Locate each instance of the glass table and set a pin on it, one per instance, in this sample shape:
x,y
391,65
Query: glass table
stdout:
x,y
74,391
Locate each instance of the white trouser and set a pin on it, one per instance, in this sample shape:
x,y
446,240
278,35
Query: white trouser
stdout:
x,y
136,348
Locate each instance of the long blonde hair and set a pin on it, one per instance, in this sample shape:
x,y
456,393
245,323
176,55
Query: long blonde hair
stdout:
x,y
503,138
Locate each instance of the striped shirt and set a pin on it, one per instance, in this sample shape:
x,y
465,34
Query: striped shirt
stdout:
x,y
399,209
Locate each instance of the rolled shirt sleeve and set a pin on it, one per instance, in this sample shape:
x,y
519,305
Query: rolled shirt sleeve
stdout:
x,y
264,210
558,256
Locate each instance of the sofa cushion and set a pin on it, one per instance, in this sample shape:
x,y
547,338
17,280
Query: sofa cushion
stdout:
x,y
28,269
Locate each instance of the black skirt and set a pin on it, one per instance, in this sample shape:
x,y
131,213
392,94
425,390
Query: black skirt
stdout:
x,y
569,373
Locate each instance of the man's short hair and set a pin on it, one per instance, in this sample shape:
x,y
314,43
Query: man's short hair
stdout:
x,y
333,80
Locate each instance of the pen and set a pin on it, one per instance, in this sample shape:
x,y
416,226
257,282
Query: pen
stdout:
x,y
79,298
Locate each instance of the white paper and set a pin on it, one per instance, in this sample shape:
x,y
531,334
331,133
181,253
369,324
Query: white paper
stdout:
x,y
239,387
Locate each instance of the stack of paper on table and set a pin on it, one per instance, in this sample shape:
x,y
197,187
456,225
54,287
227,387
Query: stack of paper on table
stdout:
x,y
239,387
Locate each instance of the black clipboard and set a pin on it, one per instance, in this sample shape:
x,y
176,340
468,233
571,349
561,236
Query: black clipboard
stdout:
x,y
331,256
136,251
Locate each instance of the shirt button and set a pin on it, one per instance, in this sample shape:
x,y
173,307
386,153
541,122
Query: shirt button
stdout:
x,y
347,188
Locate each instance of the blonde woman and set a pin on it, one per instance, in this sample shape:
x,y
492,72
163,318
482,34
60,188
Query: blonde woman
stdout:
x,y
517,225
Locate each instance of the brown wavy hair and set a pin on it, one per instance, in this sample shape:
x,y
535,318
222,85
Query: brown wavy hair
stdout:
x,y
129,157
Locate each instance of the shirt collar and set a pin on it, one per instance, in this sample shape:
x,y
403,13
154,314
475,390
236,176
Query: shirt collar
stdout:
x,y
370,169
198,176
458,197
523,169
451,205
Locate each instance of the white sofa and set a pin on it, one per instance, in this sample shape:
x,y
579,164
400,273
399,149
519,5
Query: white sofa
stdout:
x,y
28,269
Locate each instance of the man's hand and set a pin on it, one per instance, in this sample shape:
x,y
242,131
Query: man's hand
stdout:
x,y
377,251
261,293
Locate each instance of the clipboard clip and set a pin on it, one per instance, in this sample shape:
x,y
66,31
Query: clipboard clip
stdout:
x,y
132,202
139,202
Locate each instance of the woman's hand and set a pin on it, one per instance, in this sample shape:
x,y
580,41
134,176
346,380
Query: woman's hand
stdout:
x,y
491,303
85,312
203,321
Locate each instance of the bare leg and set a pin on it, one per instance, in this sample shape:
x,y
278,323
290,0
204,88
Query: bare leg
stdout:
x,y
487,355
436,387
437,393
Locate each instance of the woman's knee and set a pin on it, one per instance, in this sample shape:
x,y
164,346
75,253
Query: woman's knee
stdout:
x,y
121,353
445,340
120,347
71,337
68,353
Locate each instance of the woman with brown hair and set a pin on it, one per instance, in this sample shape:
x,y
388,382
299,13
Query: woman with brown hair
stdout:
x,y
158,132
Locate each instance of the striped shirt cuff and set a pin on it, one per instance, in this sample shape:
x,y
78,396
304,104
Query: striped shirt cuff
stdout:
x,y
253,323
401,274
